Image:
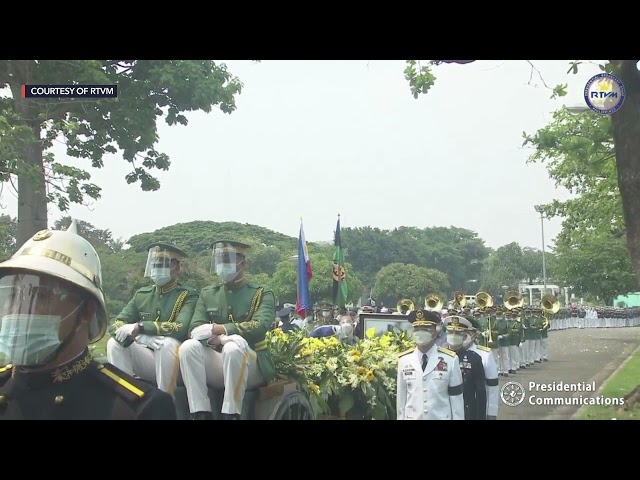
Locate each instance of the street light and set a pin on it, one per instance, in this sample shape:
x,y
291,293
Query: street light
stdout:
x,y
540,210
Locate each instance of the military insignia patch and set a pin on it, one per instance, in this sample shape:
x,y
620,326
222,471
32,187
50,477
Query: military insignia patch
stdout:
x,y
42,235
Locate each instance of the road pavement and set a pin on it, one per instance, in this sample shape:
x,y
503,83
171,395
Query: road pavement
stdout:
x,y
576,356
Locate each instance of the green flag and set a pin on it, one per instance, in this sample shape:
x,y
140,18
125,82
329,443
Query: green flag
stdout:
x,y
340,290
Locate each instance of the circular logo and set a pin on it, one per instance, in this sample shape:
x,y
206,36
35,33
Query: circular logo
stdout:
x,y
604,93
42,235
512,394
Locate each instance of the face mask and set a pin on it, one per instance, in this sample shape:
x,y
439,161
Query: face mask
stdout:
x,y
226,271
455,339
346,330
160,276
29,339
421,337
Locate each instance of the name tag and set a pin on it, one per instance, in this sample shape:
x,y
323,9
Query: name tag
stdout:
x,y
409,374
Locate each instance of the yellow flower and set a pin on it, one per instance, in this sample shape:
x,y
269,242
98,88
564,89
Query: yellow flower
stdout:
x,y
385,341
369,376
361,370
314,388
305,352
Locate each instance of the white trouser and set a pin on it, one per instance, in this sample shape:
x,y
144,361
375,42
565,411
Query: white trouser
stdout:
x,y
505,359
496,357
160,366
544,347
523,353
203,367
532,350
514,354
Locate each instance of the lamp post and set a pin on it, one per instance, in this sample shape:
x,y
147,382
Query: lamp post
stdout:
x,y
540,210
577,109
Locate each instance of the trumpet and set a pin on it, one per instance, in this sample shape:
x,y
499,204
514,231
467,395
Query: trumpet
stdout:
x,y
405,303
483,299
433,301
459,300
513,300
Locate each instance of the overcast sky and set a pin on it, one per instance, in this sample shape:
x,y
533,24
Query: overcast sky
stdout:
x,y
312,139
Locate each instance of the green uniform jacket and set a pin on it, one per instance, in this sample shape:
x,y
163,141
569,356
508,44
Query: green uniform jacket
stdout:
x,y
494,332
247,310
528,330
536,326
544,332
165,311
517,332
502,326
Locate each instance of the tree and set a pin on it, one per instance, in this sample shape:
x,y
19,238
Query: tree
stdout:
x,y
148,89
398,280
625,127
578,153
94,235
8,229
597,264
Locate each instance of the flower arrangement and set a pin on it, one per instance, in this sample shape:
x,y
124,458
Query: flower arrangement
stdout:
x,y
354,381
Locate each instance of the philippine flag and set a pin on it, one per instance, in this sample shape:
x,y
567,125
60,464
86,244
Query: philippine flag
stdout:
x,y
304,276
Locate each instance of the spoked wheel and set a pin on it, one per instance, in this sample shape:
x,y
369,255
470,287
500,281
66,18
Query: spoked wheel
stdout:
x,y
293,406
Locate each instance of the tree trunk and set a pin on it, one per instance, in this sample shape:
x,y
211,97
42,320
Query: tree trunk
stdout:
x,y
626,137
32,194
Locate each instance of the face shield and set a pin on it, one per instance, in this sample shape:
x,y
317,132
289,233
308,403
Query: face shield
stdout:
x,y
225,261
161,264
38,317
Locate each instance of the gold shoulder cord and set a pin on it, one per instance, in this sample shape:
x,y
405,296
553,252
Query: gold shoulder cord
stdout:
x,y
255,302
178,306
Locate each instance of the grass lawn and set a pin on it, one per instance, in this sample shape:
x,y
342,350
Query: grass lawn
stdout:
x,y
622,383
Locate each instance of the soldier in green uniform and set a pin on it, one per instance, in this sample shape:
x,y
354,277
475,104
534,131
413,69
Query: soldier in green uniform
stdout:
x,y
227,348
536,335
544,338
504,340
481,318
51,308
516,336
527,324
146,335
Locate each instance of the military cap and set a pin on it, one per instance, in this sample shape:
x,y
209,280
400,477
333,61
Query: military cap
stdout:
x,y
474,323
238,247
283,312
168,250
423,318
457,323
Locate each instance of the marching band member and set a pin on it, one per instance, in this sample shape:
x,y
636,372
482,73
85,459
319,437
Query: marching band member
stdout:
x,y
429,383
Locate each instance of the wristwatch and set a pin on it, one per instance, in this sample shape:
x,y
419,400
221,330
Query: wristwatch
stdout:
x,y
140,327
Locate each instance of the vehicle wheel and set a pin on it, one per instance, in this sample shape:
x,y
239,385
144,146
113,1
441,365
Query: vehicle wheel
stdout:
x,y
293,406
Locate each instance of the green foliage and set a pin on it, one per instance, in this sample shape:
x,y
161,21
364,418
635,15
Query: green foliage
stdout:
x,y
399,280
601,253
579,155
91,129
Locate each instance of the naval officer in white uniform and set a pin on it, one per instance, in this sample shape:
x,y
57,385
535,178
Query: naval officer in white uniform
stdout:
x,y
429,377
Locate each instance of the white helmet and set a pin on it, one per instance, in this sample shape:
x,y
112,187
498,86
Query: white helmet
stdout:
x,y
65,255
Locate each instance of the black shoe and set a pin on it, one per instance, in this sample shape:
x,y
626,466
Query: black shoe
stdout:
x,y
545,359
512,371
202,416
230,416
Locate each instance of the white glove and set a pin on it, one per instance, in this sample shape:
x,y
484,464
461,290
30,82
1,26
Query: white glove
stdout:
x,y
237,339
153,342
124,331
520,344
484,334
203,332
500,337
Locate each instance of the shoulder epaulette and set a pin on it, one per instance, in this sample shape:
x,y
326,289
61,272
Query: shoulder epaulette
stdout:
x,y
130,389
451,353
5,373
405,353
483,348
187,288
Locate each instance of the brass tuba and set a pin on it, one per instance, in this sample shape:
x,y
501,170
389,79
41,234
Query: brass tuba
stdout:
x,y
551,305
405,302
433,301
459,300
483,300
513,300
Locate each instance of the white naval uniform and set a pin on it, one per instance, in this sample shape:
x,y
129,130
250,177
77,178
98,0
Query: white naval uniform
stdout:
x,y
436,393
161,366
491,376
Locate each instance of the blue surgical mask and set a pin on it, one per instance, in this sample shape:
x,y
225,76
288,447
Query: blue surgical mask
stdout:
x,y
160,276
226,271
29,339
